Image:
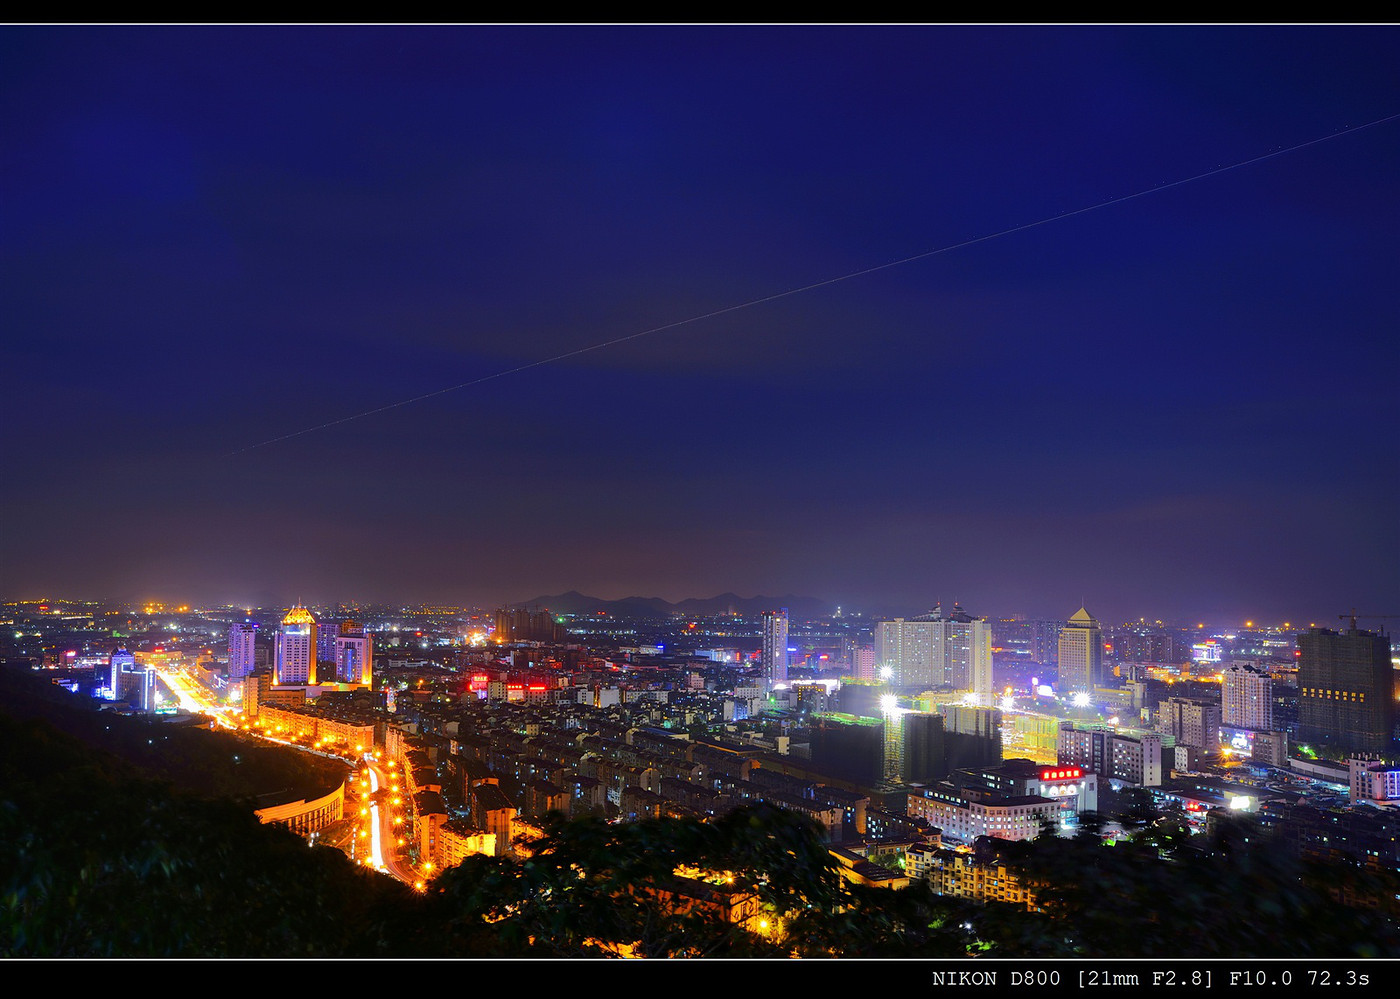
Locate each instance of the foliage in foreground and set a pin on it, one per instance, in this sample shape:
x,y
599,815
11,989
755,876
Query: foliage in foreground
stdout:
x,y
593,888
99,866
97,862
1237,891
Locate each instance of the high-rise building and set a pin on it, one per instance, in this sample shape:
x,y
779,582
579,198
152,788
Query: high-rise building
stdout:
x,y
327,631
1247,697
925,747
849,747
962,644
972,735
775,653
942,649
1081,654
354,654
861,697
904,652
242,649
1143,644
894,772
901,745
1044,641
524,625
1191,722
121,661
148,689
295,656
1346,690
863,661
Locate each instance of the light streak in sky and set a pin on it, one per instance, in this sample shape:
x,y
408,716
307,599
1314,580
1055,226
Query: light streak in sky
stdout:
x,y
816,284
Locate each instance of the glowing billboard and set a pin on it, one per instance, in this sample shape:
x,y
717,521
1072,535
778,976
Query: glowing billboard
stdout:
x,y
1239,741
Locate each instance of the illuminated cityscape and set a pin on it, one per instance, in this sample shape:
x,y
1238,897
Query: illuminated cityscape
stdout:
x,y
890,491
462,744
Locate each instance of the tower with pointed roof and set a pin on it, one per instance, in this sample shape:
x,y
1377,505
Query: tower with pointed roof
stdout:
x,y
295,659
1081,654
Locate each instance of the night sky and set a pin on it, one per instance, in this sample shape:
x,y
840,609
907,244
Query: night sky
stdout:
x,y
1181,405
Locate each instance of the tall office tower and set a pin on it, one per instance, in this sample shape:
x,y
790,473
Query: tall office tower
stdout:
x,y
1081,654
295,657
942,649
1247,698
242,648
775,654
118,662
1345,690
354,654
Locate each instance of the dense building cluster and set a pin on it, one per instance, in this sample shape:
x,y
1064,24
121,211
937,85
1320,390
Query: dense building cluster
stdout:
x,y
911,743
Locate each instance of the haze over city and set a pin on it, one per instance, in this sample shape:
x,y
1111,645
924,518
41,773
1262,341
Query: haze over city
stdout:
x,y
1181,404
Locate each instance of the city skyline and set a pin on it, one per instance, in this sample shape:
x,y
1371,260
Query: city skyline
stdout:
x,y
1179,405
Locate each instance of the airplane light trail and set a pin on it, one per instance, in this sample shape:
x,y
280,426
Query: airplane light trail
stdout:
x,y
813,286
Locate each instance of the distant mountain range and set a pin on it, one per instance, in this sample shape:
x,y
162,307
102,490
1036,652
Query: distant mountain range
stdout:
x,y
573,602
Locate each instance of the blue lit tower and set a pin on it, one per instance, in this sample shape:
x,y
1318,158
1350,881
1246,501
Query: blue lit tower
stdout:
x,y
148,689
353,654
119,662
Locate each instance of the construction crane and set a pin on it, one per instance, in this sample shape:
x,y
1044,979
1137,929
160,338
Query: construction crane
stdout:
x,y
1353,616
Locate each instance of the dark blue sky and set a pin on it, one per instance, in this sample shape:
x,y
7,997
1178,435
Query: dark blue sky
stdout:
x,y
1184,404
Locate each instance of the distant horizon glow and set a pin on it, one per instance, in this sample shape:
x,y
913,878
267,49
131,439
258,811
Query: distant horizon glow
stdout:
x,y
1180,407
